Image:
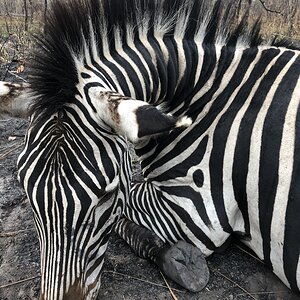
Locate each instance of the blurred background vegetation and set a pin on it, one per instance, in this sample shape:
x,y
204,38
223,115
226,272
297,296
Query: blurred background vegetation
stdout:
x,y
20,19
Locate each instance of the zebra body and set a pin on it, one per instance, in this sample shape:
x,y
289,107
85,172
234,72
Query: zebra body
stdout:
x,y
215,126
232,178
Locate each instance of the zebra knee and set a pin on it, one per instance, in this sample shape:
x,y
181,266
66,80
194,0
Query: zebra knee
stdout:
x,y
143,241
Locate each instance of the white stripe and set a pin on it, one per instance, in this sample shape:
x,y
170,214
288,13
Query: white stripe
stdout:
x,y
254,166
236,221
284,179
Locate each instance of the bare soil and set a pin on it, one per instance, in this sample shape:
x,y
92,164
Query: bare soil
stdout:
x,y
234,274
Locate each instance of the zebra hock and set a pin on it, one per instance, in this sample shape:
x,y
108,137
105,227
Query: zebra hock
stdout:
x,y
232,171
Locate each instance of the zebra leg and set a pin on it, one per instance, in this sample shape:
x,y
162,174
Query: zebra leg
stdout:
x,y
182,262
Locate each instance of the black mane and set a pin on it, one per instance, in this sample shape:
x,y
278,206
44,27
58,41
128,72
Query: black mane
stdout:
x,y
68,25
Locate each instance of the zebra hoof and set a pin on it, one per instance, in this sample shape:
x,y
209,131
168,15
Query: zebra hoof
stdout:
x,y
185,264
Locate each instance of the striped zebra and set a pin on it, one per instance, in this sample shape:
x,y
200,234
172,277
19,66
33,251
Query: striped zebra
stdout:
x,y
212,111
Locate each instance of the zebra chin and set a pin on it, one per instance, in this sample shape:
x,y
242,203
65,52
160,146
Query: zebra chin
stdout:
x,y
79,291
80,283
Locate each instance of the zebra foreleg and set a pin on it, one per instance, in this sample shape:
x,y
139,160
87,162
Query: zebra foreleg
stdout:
x,y
182,262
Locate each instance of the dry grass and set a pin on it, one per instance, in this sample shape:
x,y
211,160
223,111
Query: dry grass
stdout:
x,y
275,24
16,44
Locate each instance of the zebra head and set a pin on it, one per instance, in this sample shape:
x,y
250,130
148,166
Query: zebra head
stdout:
x,y
75,169
75,166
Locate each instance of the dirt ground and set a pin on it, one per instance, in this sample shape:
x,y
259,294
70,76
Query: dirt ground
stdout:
x,y
234,274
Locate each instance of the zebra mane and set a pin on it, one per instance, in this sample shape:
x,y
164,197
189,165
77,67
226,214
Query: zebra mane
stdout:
x,y
75,29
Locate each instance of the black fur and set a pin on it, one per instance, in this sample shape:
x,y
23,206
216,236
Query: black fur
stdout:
x,y
152,121
54,75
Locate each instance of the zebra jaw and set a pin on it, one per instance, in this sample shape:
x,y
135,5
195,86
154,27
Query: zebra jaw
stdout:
x,y
135,119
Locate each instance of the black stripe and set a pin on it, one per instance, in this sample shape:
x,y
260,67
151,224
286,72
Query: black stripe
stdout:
x,y
197,232
119,75
141,48
137,61
196,198
86,90
130,75
269,158
291,246
221,133
181,169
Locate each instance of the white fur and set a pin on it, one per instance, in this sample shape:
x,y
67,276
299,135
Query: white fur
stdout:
x,y
184,122
4,89
128,122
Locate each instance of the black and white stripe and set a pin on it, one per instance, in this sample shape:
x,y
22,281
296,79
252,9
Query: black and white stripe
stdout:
x,y
233,170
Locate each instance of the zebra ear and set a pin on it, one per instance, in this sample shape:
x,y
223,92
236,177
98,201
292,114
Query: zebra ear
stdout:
x,y
134,119
138,120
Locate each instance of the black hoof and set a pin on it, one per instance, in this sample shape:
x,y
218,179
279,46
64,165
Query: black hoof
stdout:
x,y
186,265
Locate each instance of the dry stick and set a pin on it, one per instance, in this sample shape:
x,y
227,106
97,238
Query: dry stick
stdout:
x,y
139,279
10,151
19,281
170,290
245,251
227,278
19,77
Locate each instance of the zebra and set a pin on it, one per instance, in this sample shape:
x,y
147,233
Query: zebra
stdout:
x,y
14,98
212,111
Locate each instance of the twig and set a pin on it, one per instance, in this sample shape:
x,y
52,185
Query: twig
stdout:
x,y
169,288
4,155
13,233
236,284
19,281
19,77
264,293
268,9
142,280
248,253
